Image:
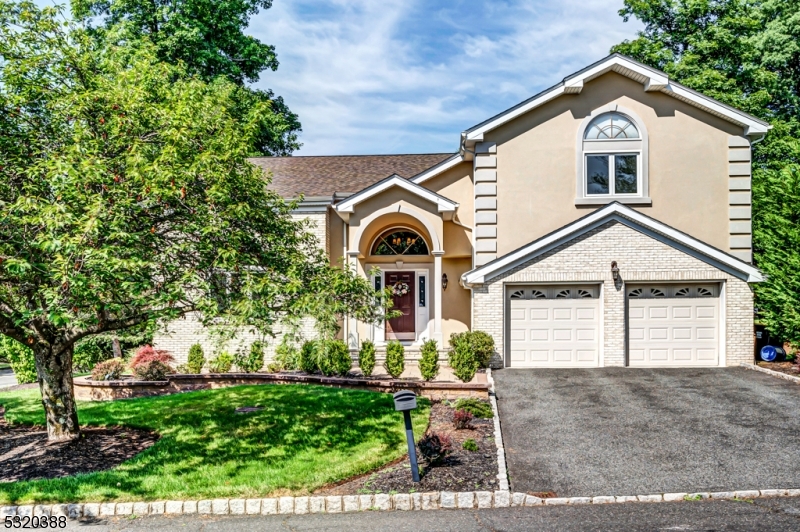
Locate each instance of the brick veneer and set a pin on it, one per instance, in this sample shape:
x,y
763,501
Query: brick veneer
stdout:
x,y
587,259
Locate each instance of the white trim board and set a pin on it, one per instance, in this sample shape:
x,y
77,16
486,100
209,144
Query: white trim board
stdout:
x,y
443,166
616,212
443,204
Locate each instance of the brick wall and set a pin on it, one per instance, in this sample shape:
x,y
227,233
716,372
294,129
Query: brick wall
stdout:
x,y
640,258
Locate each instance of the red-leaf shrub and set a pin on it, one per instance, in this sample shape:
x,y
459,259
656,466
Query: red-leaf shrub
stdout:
x,y
462,419
434,447
108,370
147,353
152,370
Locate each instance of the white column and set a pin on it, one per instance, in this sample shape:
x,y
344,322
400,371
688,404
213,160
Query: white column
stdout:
x,y
352,323
437,301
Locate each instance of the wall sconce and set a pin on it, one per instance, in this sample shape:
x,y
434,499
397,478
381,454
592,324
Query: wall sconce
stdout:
x,y
444,281
614,270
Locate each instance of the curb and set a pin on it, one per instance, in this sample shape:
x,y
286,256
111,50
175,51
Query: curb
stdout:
x,y
502,470
771,372
358,503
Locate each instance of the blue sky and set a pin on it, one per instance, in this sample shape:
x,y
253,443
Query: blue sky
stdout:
x,y
407,76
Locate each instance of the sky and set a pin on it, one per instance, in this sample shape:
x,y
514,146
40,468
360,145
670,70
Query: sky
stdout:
x,y
407,76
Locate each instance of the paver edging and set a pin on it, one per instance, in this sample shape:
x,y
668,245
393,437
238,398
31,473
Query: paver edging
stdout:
x,y
502,472
772,372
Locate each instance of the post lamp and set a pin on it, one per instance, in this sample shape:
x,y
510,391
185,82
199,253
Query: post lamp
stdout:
x,y
405,401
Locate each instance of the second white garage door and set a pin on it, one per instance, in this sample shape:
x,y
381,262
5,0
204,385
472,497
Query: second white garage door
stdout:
x,y
554,326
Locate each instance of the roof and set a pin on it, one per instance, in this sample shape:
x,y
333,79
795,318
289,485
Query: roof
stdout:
x,y
325,175
443,204
615,212
653,81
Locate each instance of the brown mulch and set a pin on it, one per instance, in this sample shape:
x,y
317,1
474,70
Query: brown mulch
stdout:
x,y
790,368
26,455
461,471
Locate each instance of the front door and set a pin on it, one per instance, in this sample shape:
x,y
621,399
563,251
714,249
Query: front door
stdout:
x,y
402,285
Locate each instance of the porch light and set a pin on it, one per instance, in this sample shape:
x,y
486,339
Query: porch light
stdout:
x,y
614,270
444,281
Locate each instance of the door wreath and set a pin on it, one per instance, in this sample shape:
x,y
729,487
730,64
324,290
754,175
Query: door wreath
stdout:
x,y
400,288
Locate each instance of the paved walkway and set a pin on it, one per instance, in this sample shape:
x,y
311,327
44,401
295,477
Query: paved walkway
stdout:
x,y
7,378
628,431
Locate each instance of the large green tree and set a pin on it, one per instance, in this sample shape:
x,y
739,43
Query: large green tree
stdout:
x,y
128,198
208,38
745,53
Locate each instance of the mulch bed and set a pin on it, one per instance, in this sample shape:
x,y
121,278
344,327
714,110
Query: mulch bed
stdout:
x,y
461,471
26,455
790,368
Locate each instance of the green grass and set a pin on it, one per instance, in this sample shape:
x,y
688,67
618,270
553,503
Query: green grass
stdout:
x,y
306,437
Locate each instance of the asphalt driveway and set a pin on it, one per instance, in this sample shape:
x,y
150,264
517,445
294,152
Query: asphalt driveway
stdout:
x,y
625,431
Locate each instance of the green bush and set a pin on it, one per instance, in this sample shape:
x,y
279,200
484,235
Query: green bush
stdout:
x,y
287,357
366,358
481,345
88,352
251,361
152,370
309,358
196,360
462,360
20,358
334,358
395,359
221,364
477,407
108,370
469,445
429,363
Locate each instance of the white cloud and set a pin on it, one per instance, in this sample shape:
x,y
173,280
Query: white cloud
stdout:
x,y
394,76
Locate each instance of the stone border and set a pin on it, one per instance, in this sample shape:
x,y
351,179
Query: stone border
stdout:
x,y
502,470
358,503
771,372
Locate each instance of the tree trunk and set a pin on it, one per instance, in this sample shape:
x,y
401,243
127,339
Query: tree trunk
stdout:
x,y
54,368
116,348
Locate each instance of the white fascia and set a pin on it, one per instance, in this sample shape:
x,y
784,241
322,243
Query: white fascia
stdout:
x,y
623,214
442,204
443,166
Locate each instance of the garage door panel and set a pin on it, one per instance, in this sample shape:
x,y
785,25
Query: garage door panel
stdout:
x,y
658,313
517,335
586,355
706,333
636,333
540,356
682,354
540,314
679,313
636,313
517,314
658,333
709,313
562,314
562,355
562,335
707,354
586,335
517,356
540,335
682,333
589,314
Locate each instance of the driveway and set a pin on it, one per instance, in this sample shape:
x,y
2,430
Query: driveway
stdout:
x,y
624,431
7,378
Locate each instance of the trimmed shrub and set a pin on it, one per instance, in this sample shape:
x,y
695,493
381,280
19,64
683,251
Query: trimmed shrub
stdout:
x,y
395,359
334,358
476,407
20,358
462,419
196,360
109,370
152,370
434,447
253,360
462,361
481,345
287,357
147,353
308,358
366,358
429,363
182,368
221,364
469,445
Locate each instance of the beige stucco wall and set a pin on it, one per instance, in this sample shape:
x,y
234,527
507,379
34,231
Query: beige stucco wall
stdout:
x,y
456,184
688,167
641,259
456,305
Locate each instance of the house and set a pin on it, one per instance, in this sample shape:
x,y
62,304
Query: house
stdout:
x,y
605,221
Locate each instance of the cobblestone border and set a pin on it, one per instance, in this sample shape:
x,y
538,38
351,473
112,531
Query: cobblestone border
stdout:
x,y
358,503
772,372
502,473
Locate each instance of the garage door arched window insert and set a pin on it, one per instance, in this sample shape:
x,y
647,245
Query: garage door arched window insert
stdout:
x,y
677,291
399,241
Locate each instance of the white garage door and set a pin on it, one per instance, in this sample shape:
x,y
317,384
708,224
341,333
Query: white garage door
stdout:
x,y
673,325
554,326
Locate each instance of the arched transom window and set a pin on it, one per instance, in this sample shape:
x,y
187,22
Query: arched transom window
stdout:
x,y
399,242
611,126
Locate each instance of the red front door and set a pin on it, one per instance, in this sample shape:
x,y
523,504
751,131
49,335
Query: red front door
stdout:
x,y
402,327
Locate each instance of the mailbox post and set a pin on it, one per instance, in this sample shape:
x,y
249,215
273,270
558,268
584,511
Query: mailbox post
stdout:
x,y
405,401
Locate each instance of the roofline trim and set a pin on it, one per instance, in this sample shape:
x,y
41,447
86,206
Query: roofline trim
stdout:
x,y
443,204
437,169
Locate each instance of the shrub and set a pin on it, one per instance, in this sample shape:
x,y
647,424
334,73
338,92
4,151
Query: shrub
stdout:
x,y
481,345
309,359
20,358
462,361
366,358
395,362
429,363
476,407
434,447
462,419
196,359
147,353
253,360
152,370
110,370
333,358
88,353
469,445
287,357
182,368
221,364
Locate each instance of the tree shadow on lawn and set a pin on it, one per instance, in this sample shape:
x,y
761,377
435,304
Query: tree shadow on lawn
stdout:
x,y
306,436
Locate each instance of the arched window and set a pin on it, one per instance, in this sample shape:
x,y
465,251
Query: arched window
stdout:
x,y
612,159
399,242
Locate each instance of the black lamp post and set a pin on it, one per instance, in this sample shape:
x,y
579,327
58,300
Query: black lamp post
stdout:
x,y
405,401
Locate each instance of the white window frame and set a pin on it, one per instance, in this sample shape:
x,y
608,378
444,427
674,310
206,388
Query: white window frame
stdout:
x,y
612,173
612,147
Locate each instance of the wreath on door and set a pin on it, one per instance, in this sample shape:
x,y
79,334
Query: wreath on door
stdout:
x,y
400,288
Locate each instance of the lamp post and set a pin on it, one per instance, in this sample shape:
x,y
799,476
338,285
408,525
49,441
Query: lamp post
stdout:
x,y
405,401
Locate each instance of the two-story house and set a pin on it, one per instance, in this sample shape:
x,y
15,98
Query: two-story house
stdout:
x,y
603,222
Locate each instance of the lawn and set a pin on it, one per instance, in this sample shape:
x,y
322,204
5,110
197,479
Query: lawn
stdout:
x,y
306,437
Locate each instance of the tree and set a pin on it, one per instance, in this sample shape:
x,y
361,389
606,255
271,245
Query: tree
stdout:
x,y
745,53
128,199
208,38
